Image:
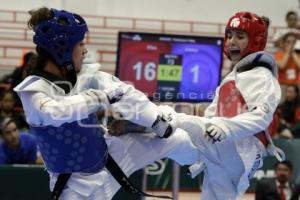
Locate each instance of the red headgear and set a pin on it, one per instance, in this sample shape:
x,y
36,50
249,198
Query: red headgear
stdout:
x,y
254,26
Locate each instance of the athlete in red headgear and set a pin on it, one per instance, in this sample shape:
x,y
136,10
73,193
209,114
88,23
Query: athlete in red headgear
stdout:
x,y
254,26
233,136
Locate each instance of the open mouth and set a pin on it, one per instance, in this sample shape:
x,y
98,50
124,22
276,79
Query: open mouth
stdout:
x,y
235,52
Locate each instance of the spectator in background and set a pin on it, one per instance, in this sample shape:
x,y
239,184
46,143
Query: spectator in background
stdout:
x,y
21,72
17,148
280,187
289,112
288,61
7,102
291,19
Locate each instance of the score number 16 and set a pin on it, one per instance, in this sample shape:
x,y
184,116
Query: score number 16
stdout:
x,y
149,71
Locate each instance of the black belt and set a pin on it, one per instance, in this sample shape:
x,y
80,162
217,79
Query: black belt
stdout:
x,y
115,171
61,182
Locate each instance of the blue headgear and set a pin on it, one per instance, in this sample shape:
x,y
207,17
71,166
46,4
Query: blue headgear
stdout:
x,y
58,35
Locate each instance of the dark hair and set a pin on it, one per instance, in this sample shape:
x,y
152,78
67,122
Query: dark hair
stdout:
x,y
26,58
284,38
296,89
4,122
266,20
286,163
5,92
288,108
288,14
36,17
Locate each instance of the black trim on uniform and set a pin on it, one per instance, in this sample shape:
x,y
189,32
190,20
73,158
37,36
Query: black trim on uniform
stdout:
x,y
61,182
253,65
124,181
62,83
115,171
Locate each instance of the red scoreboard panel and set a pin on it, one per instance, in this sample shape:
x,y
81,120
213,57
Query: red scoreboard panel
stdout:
x,y
139,63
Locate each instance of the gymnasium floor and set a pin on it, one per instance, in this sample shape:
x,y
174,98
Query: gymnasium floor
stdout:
x,y
194,196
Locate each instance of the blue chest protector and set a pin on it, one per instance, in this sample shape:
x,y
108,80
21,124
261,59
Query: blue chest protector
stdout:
x,y
73,147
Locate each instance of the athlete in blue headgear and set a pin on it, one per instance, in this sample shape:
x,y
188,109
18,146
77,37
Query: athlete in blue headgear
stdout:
x,y
60,100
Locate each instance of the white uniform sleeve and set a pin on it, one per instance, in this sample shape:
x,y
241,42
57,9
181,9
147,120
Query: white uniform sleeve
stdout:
x,y
42,110
134,105
262,93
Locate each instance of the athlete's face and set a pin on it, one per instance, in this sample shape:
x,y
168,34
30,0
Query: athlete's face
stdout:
x,y
236,43
10,135
79,53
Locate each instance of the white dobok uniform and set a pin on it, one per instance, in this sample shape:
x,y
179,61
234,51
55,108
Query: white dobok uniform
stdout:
x,y
45,104
243,106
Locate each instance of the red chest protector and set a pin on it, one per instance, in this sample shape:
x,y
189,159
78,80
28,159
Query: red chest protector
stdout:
x,y
232,103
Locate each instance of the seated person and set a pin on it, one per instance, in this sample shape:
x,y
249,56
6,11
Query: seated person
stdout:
x,y
21,72
289,112
7,102
280,187
17,148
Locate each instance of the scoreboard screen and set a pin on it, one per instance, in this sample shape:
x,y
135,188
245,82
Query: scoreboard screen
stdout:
x,y
170,68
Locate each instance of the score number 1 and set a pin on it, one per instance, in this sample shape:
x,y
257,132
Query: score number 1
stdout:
x,y
195,71
149,71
